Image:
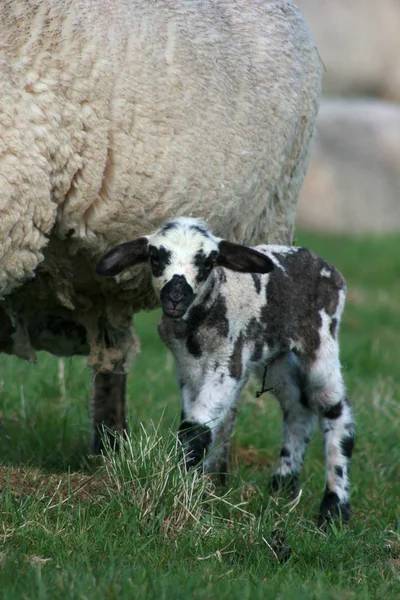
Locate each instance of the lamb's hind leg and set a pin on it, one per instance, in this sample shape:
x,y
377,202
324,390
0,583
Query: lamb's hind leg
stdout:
x,y
337,424
285,378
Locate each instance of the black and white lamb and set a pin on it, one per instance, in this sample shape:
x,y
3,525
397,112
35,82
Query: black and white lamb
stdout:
x,y
230,310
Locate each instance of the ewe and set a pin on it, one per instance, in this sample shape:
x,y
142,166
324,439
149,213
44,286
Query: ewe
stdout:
x,y
230,310
116,115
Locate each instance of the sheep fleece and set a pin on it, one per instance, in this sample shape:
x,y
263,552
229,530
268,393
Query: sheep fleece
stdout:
x,y
116,115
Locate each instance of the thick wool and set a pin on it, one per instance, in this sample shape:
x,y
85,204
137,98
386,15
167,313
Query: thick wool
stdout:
x,y
118,114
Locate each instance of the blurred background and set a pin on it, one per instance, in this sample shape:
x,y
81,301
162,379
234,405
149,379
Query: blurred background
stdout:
x,y
353,182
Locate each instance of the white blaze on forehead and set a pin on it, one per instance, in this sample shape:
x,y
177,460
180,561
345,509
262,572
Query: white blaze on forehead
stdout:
x,y
183,241
325,272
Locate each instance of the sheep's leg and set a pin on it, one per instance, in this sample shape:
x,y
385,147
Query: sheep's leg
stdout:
x,y
337,425
207,421
298,422
108,408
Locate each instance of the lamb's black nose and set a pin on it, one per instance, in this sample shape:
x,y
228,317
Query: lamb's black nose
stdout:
x,y
176,296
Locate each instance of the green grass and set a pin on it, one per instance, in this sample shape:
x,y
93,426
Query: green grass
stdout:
x,y
136,527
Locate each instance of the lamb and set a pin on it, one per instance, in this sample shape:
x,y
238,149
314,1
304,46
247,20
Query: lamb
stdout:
x,y
229,311
116,115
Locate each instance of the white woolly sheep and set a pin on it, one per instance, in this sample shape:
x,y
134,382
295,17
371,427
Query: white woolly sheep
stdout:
x,y
230,310
116,115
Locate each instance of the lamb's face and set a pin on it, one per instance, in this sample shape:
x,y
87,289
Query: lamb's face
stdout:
x,y
181,255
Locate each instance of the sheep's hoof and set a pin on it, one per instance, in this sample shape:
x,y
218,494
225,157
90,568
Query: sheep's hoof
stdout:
x,y
331,509
288,484
106,439
222,478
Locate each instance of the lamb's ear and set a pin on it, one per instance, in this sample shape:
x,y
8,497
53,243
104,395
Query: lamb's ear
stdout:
x,y
125,255
243,259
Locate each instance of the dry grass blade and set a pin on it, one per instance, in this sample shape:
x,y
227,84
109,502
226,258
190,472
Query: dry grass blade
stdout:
x,y
270,547
150,473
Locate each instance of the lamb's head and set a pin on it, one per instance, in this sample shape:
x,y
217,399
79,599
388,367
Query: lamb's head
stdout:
x,y
182,254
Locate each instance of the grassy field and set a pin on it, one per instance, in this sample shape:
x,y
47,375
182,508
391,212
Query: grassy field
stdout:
x,y
134,526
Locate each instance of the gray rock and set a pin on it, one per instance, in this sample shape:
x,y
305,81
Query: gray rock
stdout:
x,y
353,182
359,44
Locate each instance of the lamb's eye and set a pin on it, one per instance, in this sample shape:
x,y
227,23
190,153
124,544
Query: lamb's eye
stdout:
x,y
155,265
210,262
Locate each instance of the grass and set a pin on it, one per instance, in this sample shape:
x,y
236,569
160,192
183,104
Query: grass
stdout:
x,y
134,525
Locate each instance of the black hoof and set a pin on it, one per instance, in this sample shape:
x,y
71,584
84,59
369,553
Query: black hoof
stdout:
x,y
280,546
195,440
223,473
331,509
288,484
222,479
105,439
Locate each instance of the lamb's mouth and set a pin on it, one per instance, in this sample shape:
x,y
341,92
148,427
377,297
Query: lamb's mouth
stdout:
x,y
176,296
173,312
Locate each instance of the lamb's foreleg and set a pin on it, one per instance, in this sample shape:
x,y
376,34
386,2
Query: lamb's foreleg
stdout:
x,y
208,419
218,459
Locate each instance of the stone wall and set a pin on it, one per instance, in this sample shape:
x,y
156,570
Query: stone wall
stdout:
x,y
353,182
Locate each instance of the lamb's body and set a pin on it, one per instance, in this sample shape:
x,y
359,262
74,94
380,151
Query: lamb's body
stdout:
x,y
284,324
274,311
118,114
